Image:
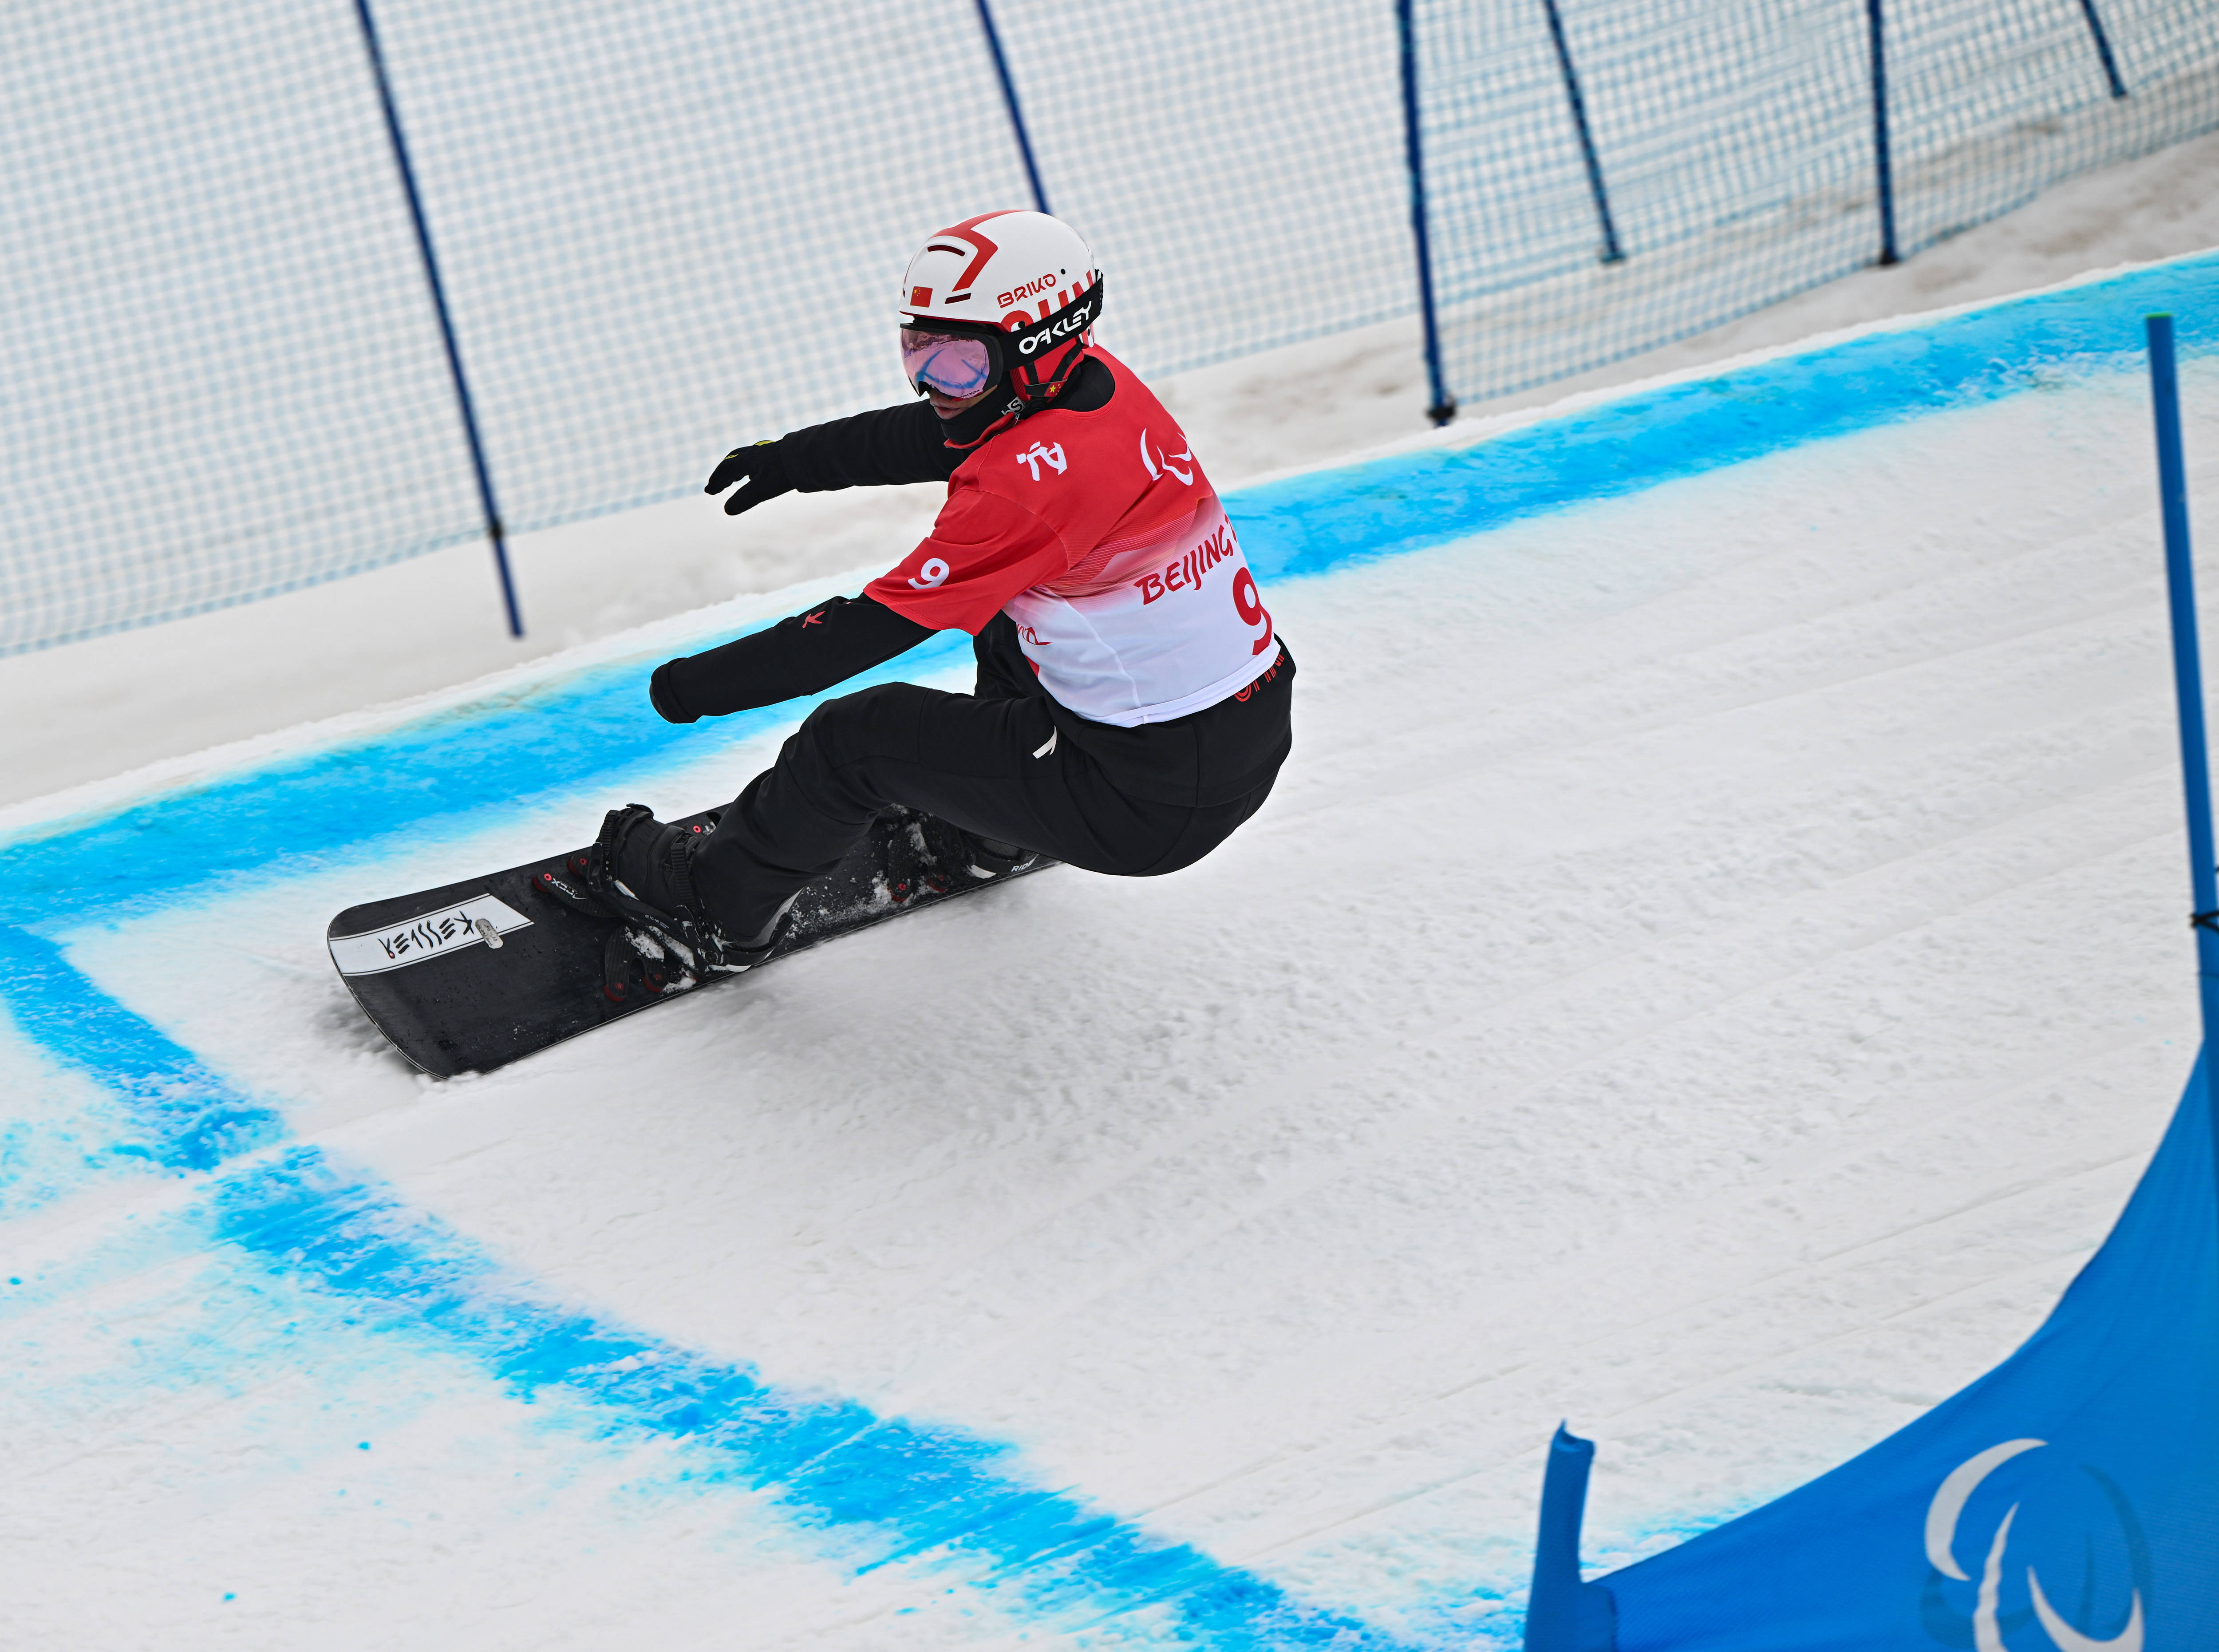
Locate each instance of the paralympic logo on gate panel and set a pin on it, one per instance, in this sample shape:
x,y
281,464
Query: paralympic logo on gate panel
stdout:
x,y
1988,1623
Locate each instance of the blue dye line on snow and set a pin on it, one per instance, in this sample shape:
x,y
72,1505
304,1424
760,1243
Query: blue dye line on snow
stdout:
x,y
832,1461
915,1493
507,752
832,1464
185,1117
1310,522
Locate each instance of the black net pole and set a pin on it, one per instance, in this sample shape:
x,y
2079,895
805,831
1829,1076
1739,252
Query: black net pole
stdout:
x,y
1611,254
1444,408
1882,162
446,326
1010,97
2104,48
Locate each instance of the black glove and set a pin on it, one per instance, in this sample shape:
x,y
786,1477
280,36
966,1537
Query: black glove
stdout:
x,y
662,694
766,477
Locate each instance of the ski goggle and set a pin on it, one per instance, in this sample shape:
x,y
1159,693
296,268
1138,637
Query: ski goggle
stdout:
x,y
956,364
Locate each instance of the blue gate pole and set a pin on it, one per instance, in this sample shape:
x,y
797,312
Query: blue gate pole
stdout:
x,y
1010,97
2104,48
1444,407
1881,160
2188,684
1552,1609
1611,254
446,326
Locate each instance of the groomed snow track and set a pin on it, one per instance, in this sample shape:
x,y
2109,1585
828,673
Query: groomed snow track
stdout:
x,y
1711,970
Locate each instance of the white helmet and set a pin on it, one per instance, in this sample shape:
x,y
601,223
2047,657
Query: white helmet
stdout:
x,y
1023,282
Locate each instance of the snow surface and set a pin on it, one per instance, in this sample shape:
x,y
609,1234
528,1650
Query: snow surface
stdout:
x,y
102,707
1712,971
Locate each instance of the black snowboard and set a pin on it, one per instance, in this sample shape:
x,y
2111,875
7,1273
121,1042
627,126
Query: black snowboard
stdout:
x,y
470,977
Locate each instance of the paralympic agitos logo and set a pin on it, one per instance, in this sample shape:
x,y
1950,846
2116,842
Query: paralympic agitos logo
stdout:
x,y
1988,1625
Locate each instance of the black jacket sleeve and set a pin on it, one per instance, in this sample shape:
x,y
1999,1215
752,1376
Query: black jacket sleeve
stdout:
x,y
911,443
799,656
885,446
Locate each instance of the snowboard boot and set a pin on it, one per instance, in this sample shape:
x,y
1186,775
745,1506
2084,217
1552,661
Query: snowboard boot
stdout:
x,y
911,868
966,857
932,856
987,857
642,869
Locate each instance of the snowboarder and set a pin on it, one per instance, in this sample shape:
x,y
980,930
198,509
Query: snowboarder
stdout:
x,y
1132,702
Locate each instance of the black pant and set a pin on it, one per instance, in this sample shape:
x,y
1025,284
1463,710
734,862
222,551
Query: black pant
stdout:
x,y
1006,762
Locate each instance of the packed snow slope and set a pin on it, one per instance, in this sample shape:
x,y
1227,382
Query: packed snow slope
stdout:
x,y
1712,971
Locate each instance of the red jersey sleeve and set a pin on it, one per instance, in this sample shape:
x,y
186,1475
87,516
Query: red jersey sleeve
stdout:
x,y
982,551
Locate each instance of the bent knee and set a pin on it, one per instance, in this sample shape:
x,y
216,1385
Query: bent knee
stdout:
x,y
872,722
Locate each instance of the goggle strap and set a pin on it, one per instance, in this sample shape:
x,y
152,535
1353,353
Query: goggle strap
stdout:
x,y
1072,321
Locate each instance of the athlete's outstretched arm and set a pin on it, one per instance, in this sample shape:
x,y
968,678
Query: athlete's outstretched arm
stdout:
x,y
885,447
799,656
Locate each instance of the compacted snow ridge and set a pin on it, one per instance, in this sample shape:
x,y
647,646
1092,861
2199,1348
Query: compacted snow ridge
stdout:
x,y
1711,972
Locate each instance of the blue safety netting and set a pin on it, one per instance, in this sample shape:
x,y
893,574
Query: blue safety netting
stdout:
x,y
670,226
1239,167
1731,150
222,378
662,229
665,229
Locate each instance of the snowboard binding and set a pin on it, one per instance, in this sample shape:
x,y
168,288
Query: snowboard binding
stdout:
x,y
662,942
931,856
566,886
636,964
595,956
657,947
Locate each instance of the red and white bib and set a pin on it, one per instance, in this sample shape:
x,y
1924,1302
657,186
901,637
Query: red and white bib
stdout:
x,y
1100,537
